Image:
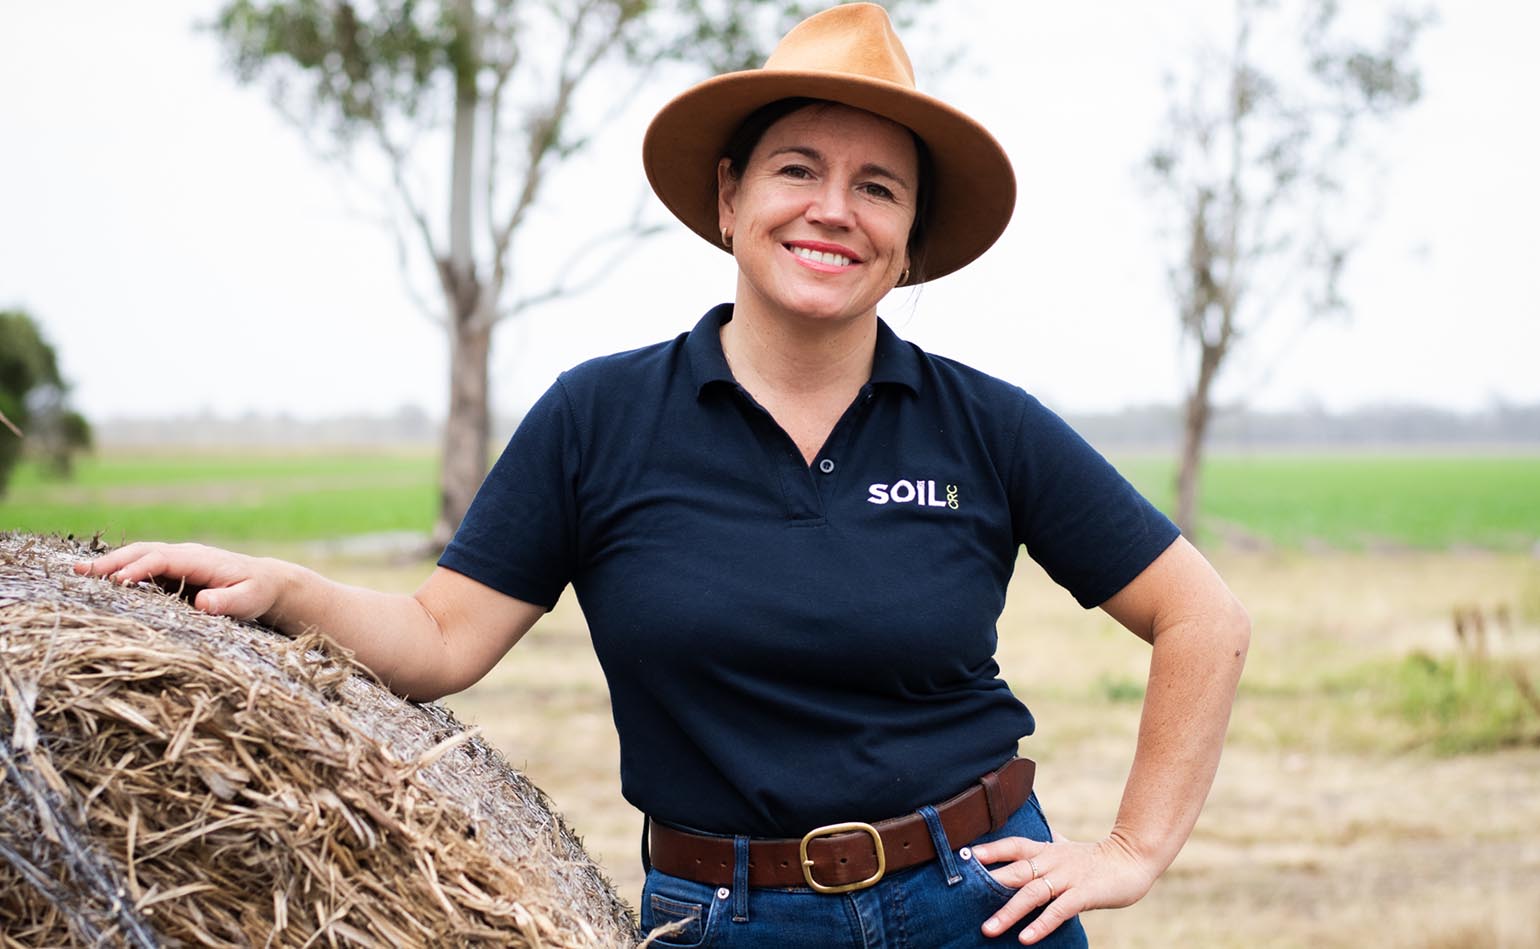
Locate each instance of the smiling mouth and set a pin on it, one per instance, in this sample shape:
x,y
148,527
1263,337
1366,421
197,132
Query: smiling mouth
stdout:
x,y
819,256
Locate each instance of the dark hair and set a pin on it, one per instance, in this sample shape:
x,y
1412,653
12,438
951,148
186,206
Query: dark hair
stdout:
x,y
743,140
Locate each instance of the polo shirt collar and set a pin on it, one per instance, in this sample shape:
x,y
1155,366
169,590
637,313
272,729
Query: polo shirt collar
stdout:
x,y
895,361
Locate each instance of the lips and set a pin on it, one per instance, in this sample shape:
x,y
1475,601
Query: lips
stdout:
x,y
819,257
826,255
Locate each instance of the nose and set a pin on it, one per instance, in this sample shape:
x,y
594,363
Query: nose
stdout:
x,y
830,205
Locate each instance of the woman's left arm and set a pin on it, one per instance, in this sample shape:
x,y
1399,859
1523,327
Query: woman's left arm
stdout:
x,y
1199,632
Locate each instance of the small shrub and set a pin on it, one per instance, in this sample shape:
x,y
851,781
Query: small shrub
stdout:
x,y
1461,703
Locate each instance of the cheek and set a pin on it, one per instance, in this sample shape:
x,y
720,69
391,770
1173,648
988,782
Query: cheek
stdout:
x,y
895,224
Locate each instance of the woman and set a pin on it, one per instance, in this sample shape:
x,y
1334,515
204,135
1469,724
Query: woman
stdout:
x,y
791,534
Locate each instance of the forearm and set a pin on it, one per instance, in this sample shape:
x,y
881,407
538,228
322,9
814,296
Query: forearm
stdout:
x,y
1199,634
391,634
1195,667
437,641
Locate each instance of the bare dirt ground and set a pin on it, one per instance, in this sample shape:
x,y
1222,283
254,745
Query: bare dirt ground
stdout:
x,y
1326,826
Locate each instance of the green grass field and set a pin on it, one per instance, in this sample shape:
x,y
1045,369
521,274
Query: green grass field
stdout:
x,y
1353,501
1343,501
226,496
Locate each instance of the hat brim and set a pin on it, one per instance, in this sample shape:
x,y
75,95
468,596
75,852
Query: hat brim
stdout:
x,y
973,195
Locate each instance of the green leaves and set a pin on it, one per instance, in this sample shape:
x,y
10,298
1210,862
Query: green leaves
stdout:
x,y
353,63
32,399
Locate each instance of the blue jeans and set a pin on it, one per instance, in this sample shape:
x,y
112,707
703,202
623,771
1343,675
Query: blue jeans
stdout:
x,y
936,905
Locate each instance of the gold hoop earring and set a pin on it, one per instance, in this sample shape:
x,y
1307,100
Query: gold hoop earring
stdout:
x,y
903,277
727,239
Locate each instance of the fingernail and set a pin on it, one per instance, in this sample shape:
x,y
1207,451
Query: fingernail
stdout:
x,y
992,925
1029,934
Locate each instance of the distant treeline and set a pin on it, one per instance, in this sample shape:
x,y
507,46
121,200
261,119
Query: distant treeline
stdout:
x,y
1159,427
1154,428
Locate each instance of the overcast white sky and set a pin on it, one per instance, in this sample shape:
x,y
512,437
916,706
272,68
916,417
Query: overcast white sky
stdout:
x,y
186,251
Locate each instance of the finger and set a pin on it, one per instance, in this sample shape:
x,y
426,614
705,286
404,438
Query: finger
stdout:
x,y
1055,913
151,563
192,564
1016,875
1027,899
247,599
109,562
1008,849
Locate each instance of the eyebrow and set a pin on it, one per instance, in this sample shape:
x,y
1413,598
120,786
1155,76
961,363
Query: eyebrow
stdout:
x,y
869,169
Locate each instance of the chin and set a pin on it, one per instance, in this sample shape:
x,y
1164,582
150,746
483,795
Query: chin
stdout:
x,y
818,306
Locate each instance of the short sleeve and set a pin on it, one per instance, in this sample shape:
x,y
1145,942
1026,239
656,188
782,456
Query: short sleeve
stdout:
x,y
520,535
1080,519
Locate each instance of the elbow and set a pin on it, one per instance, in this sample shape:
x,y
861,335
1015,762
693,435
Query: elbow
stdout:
x,y
417,693
428,668
415,688
447,681
430,687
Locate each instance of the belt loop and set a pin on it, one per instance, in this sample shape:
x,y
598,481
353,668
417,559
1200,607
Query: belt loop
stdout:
x,y
943,847
740,879
994,800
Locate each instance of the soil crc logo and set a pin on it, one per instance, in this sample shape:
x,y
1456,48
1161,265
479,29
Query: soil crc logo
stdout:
x,y
921,493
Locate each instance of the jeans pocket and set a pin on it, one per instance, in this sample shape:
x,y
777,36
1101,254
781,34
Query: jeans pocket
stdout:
x,y
972,867
677,906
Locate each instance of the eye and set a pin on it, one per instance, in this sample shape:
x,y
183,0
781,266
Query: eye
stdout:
x,y
877,191
796,171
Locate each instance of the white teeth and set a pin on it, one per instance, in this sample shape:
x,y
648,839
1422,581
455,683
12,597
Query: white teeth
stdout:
x,y
838,260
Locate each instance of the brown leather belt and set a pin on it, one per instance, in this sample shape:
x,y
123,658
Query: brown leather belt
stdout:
x,y
840,857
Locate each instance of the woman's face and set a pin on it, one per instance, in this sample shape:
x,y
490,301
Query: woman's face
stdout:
x,y
820,217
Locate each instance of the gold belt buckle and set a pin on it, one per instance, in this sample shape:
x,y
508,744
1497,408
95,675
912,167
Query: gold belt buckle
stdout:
x,y
829,830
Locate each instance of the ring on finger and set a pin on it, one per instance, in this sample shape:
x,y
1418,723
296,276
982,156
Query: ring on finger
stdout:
x,y
1035,871
1049,884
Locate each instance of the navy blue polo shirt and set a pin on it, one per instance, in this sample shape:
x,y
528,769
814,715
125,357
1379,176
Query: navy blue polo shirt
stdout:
x,y
790,645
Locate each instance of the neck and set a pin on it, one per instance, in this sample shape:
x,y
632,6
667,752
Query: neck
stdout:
x,y
799,356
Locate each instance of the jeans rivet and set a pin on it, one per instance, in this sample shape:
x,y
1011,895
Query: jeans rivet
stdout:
x,y
723,893
965,853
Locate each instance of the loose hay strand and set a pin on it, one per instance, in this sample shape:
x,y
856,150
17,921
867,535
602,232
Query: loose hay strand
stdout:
x,y
170,776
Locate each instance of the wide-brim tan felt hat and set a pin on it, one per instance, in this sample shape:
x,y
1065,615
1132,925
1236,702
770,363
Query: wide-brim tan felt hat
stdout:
x,y
851,55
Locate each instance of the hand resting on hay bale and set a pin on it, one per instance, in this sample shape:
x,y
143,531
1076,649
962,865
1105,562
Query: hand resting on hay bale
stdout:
x,y
168,777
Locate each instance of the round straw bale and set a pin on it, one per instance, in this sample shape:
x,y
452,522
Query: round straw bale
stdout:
x,y
173,778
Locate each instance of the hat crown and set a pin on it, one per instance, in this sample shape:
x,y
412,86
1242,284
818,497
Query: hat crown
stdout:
x,y
854,38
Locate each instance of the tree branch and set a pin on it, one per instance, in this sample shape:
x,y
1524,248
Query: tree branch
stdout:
x,y
494,130
629,239
11,425
432,314
403,190
545,136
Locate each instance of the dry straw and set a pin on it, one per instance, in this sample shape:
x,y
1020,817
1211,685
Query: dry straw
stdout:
x,y
172,778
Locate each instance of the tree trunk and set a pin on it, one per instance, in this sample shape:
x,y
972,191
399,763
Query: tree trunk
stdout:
x,y
1198,411
467,428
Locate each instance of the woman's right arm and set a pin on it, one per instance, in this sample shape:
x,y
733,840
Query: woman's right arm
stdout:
x,y
439,640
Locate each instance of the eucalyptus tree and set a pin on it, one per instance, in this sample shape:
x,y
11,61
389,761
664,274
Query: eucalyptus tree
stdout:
x,y
1264,169
514,87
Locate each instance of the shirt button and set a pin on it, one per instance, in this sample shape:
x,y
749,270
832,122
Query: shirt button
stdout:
x,y
826,466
